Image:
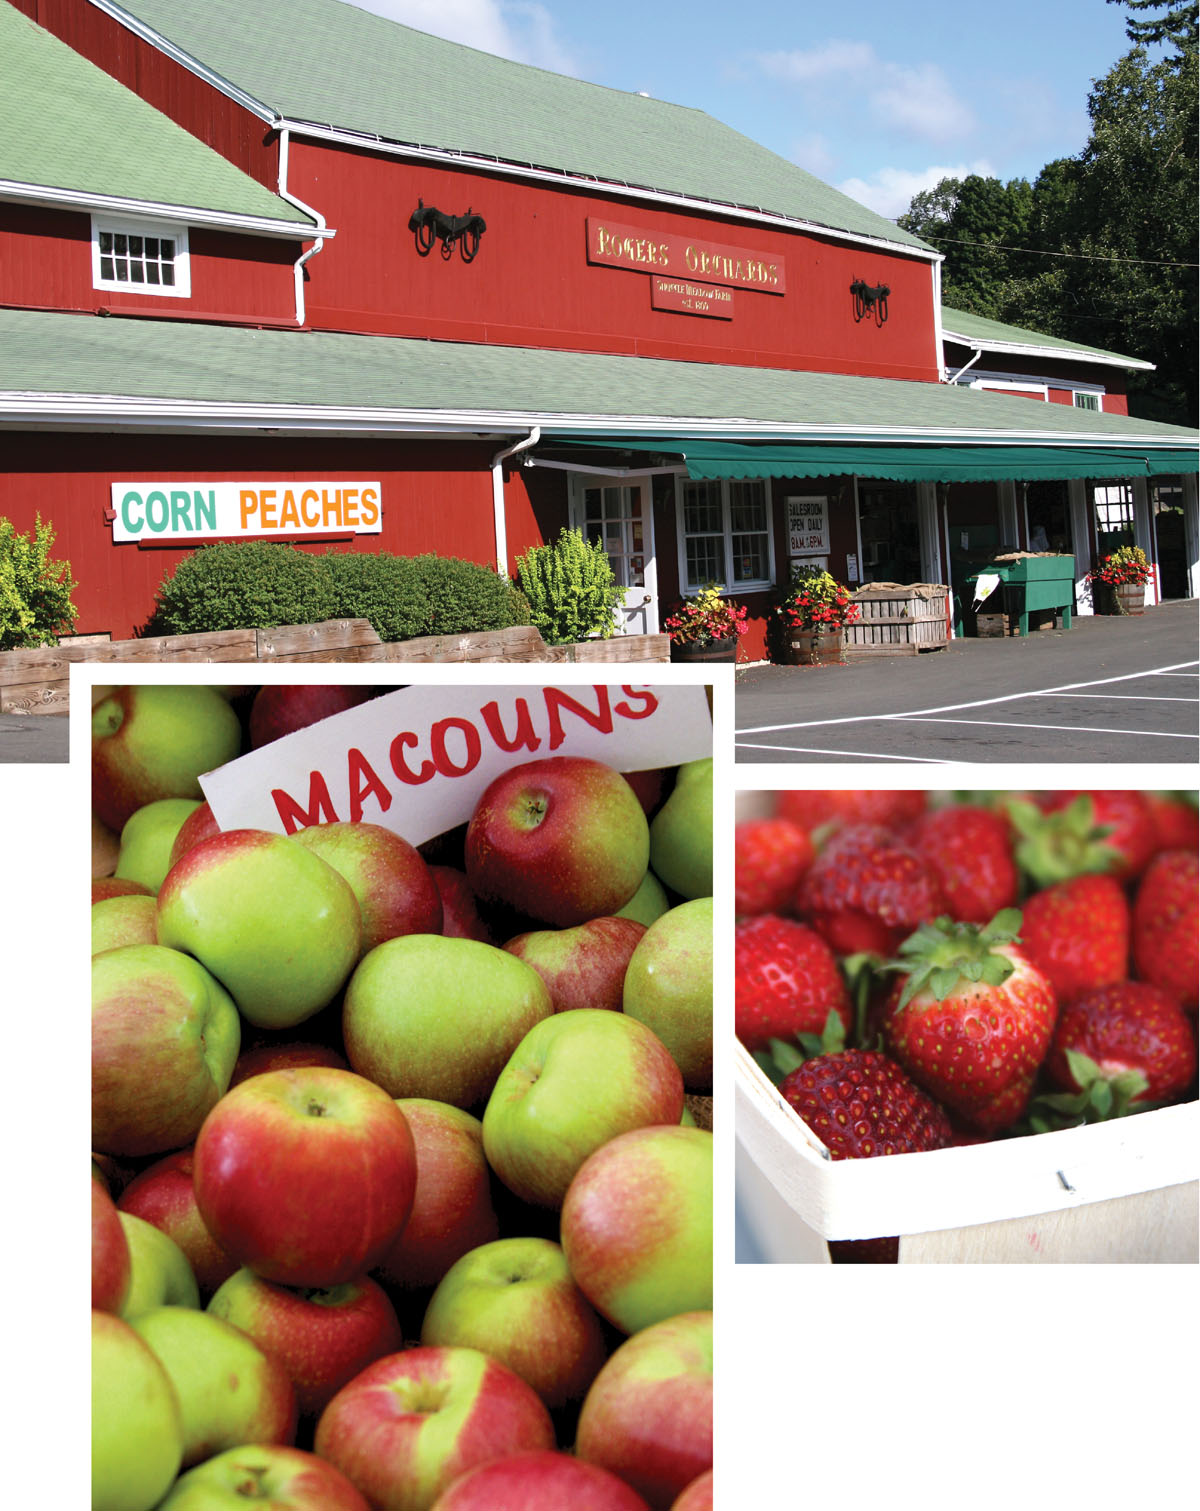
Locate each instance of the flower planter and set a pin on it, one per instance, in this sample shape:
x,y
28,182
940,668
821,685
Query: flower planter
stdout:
x,y
816,647
692,651
1131,598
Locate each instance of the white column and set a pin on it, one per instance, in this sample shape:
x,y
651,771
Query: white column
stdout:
x,y
928,533
1143,532
1006,508
1078,510
1191,534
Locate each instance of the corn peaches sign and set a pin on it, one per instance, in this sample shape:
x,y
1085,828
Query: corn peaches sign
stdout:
x,y
195,511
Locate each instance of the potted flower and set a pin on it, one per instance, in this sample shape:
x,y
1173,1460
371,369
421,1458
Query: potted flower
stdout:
x,y
813,611
1118,583
706,626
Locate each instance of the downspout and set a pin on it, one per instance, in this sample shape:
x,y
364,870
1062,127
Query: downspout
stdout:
x,y
298,268
966,365
501,526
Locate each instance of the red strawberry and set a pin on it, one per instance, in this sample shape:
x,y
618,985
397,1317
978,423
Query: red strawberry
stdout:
x,y
861,1104
969,849
866,890
1124,815
787,980
811,810
1175,819
770,856
1077,934
1166,909
971,1020
1123,1044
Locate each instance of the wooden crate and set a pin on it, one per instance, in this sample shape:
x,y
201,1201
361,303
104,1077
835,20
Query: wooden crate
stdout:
x,y
898,620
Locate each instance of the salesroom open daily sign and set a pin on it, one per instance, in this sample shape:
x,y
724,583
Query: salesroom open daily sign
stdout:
x,y
192,511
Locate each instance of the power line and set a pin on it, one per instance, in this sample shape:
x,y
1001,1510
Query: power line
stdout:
x,y
996,246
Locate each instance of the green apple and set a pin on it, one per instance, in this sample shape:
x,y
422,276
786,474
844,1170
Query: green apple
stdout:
x,y
396,894
160,1274
276,1477
669,987
165,1036
229,1391
515,1301
271,920
148,837
576,1080
649,902
111,1263
131,918
156,740
137,1432
681,832
637,1226
437,1018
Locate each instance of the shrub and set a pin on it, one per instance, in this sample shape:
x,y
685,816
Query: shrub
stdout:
x,y
404,597
246,585
381,589
35,592
571,589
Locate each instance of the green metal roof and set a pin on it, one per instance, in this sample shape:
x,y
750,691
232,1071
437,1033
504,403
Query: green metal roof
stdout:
x,y
67,125
74,370
330,64
995,334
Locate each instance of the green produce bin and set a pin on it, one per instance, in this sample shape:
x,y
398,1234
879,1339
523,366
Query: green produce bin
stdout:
x,y
1029,583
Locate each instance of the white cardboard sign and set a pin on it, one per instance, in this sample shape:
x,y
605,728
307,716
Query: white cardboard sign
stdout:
x,y
417,760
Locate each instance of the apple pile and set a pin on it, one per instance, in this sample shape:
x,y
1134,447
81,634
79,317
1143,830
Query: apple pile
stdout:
x,y
402,1155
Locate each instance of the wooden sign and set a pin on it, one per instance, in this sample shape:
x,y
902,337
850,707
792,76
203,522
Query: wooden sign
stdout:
x,y
691,298
643,251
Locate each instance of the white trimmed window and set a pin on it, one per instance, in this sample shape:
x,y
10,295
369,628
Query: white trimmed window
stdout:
x,y
725,534
140,257
1087,400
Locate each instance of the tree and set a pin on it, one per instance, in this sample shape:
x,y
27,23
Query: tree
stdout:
x,y
1176,28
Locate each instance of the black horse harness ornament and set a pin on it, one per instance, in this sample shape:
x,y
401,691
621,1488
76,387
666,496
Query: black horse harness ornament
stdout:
x,y
429,224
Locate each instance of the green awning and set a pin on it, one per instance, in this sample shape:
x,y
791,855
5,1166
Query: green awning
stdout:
x,y
928,463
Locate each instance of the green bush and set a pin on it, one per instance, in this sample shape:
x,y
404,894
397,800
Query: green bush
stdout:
x,y
243,585
571,589
35,592
380,588
404,597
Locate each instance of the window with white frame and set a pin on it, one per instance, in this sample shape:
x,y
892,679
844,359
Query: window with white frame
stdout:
x,y
1086,400
141,258
725,534
1113,503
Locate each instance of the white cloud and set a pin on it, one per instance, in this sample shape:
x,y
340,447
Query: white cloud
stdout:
x,y
524,32
840,76
813,152
891,190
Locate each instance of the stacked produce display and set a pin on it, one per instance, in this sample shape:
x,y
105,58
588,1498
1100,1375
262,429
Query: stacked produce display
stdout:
x,y
402,1153
916,971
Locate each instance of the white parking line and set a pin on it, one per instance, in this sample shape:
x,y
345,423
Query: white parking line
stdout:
x,y
869,755
949,708
1076,729
1117,697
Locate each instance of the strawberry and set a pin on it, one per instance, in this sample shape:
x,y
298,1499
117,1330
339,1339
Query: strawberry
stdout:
x,y
866,890
770,856
860,1104
1175,820
1077,934
971,1018
969,849
1120,1046
1166,907
787,981
1126,819
813,810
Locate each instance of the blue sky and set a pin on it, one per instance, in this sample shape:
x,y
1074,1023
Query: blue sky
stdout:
x,y
880,97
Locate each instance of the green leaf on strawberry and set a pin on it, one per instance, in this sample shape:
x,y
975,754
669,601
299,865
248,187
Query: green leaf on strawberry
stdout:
x,y
1062,844
1100,1097
782,1056
940,954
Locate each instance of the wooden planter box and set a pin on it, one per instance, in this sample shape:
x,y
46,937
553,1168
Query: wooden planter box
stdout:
x,y
898,620
37,681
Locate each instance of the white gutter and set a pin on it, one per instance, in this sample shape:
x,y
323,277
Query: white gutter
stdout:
x,y
322,230
48,196
1060,353
966,365
501,524
939,341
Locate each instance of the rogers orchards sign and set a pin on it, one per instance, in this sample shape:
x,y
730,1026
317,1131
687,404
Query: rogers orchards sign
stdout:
x,y
418,760
193,511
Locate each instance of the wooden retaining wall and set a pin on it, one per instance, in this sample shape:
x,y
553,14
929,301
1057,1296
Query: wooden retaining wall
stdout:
x,y
37,681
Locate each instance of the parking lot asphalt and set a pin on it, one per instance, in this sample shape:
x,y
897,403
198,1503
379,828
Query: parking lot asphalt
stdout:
x,y
1109,690
32,739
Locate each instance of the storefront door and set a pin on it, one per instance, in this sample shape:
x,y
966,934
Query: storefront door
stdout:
x,y
619,516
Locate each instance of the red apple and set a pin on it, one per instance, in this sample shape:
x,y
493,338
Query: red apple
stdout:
x,y
306,1176
396,894
539,1481
637,1226
280,710
199,824
322,1337
117,886
652,787
163,1194
293,1055
110,1253
562,839
698,1496
648,1417
584,966
515,1301
412,1423
277,1477
461,918
452,1209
